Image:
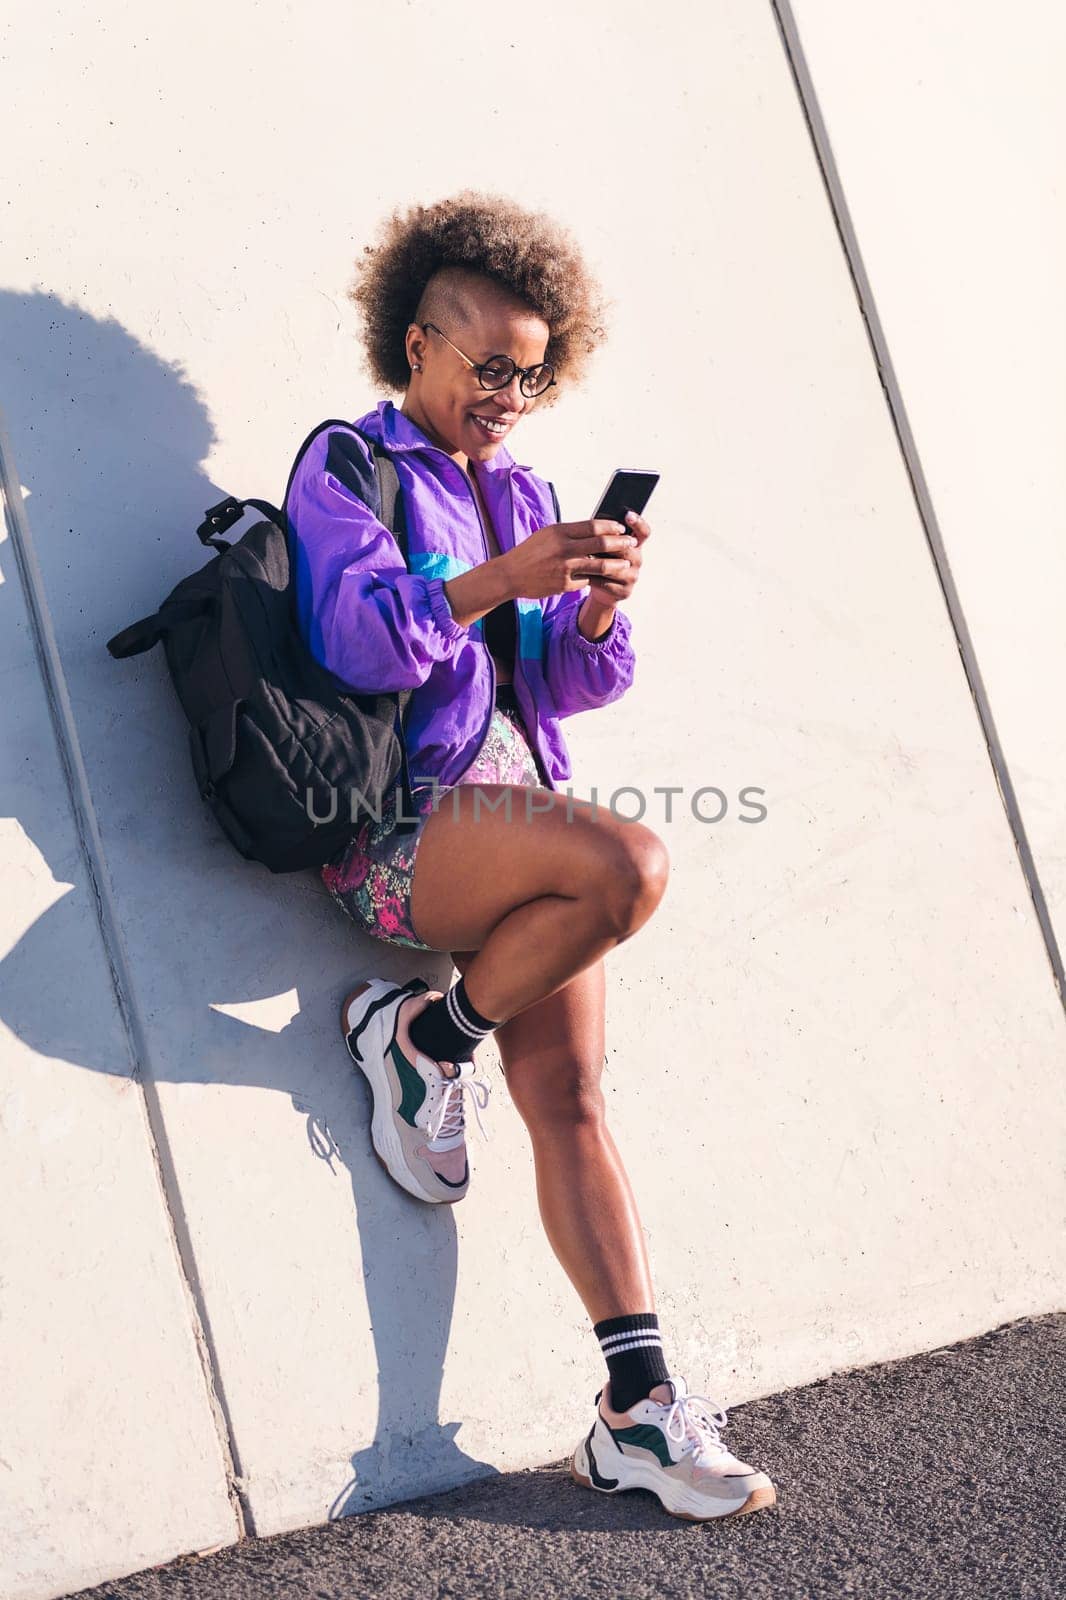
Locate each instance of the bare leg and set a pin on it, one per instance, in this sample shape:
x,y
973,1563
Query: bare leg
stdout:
x,y
539,899
553,1058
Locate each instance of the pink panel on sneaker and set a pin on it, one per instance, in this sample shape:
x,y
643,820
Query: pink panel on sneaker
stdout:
x,y
447,1164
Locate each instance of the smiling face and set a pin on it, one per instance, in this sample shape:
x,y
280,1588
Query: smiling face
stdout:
x,y
445,398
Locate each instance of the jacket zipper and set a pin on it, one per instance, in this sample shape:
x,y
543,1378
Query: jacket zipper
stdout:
x,y
519,673
488,652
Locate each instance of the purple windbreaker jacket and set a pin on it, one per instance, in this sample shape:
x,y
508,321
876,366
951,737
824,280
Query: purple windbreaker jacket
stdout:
x,y
379,625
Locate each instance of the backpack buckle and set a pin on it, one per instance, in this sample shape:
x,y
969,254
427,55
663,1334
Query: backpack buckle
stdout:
x,y
217,519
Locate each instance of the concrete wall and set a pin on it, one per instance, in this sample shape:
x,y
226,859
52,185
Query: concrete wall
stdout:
x,y
110,1447
950,156
834,1056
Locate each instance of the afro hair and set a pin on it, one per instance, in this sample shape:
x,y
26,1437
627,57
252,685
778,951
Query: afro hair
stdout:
x,y
526,254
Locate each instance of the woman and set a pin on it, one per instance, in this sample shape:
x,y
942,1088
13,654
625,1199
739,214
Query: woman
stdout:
x,y
503,621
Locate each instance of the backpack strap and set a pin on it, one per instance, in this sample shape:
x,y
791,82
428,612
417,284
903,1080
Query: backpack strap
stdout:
x,y
392,512
555,502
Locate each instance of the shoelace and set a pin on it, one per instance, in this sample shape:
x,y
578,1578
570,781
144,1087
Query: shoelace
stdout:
x,y
700,1420
450,1117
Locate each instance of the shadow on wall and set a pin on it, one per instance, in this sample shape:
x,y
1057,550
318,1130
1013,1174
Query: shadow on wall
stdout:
x,y
108,440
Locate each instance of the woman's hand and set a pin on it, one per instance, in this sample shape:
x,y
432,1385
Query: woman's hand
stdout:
x,y
569,555
608,591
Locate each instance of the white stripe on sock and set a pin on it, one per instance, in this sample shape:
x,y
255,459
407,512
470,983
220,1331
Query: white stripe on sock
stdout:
x,y
634,1344
629,1333
455,1011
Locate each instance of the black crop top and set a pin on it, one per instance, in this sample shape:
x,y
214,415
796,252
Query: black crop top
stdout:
x,y
498,627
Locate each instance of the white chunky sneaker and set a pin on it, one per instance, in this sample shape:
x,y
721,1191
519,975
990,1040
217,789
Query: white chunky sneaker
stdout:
x,y
669,1444
418,1124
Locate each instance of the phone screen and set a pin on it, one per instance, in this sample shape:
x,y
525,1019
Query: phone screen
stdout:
x,y
630,489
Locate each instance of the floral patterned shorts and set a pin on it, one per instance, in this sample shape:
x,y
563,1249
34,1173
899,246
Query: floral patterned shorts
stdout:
x,y
371,879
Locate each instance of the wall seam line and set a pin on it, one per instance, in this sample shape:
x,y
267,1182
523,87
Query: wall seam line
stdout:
x,y
893,393
90,843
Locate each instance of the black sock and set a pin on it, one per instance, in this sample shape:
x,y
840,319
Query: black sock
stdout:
x,y
449,1029
633,1347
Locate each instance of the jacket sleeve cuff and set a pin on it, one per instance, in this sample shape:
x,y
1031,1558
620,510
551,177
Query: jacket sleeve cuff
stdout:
x,y
442,611
617,634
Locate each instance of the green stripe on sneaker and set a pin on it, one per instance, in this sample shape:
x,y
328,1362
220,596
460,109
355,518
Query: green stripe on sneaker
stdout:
x,y
647,1438
413,1089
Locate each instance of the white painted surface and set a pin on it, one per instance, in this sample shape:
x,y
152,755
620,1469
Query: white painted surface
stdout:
x,y
951,145
109,1460
834,1054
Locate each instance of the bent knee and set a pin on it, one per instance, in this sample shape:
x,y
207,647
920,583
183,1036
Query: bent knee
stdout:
x,y
637,875
568,1096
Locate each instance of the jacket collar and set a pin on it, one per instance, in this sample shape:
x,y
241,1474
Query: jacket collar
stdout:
x,y
397,432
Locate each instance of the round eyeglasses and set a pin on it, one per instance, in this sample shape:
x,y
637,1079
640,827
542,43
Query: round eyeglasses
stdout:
x,y
498,371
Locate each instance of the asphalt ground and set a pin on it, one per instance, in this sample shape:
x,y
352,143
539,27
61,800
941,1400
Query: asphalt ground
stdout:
x,y
940,1475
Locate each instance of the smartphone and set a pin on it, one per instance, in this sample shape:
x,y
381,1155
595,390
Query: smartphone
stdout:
x,y
630,489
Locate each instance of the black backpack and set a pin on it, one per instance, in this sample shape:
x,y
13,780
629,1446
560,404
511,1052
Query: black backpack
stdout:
x,y
282,750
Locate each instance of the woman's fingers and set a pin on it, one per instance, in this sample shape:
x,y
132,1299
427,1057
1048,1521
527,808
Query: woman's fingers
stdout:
x,y
602,567
612,565
596,536
611,594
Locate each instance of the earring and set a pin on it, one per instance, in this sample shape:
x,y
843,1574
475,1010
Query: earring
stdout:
x,y
416,366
